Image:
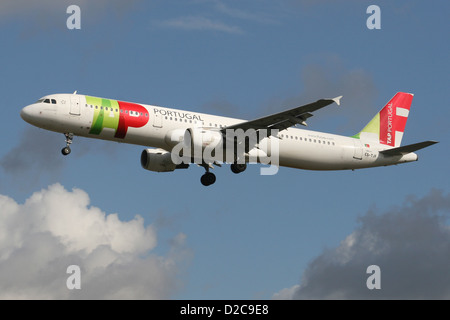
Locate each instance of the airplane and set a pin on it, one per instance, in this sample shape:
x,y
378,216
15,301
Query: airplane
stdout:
x,y
163,130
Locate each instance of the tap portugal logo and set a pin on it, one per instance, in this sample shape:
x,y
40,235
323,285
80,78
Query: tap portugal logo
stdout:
x,y
117,115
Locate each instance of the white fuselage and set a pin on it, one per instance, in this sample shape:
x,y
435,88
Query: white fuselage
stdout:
x,y
155,127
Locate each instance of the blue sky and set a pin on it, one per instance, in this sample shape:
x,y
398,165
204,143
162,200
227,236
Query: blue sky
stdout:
x,y
248,236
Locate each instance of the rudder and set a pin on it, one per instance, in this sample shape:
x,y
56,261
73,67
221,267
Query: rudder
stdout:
x,y
388,125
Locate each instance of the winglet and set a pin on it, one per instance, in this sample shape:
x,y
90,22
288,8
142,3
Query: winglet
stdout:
x,y
337,100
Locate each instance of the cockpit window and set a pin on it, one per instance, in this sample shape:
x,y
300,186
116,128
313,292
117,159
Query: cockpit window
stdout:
x,y
44,100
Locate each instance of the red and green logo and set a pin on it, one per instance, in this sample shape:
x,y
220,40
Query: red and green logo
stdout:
x,y
117,115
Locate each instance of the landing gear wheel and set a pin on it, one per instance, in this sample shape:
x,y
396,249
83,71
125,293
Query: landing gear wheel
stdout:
x,y
208,179
65,151
238,167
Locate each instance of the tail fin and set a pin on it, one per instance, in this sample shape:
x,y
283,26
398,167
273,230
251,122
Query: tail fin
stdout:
x,y
388,125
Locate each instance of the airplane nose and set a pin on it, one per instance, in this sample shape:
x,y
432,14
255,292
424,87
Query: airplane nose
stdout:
x,y
28,113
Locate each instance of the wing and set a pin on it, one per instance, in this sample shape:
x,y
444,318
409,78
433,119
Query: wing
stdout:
x,y
285,119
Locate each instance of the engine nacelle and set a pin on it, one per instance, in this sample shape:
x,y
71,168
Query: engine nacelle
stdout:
x,y
159,160
174,137
202,138
203,144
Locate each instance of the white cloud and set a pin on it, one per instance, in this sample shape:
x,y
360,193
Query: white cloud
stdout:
x,y
286,294
199,23
56,228
409,243
255,15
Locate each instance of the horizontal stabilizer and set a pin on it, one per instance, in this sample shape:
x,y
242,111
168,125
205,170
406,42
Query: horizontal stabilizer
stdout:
x,y
407,149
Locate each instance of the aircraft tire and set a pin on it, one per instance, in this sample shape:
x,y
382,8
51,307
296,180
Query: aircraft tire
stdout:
x,y
238,168
208,179
65,151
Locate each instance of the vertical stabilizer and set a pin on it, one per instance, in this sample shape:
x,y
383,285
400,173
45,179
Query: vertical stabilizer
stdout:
x,y
388,125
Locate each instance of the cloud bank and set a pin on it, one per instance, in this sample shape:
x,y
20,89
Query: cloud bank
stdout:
x,y
410,244
56,228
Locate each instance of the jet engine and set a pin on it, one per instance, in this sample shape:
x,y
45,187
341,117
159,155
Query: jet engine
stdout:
x,y
159,160
203,144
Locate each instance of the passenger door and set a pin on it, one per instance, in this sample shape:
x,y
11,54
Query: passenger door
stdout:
x,y
157,120
75,105
358,152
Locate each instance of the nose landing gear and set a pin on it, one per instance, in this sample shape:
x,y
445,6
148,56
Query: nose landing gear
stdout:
x,y
66,150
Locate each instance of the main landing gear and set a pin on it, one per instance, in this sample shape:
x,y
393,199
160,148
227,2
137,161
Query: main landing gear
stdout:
x,y
66,150
238,167
208,178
